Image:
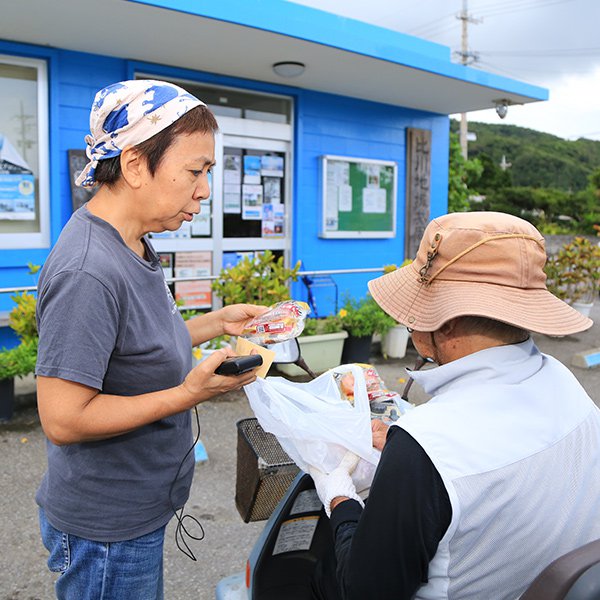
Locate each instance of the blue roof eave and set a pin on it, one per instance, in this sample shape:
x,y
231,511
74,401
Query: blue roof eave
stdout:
x,y
350,35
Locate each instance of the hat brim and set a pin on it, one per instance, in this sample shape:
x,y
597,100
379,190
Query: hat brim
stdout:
x,y
426,307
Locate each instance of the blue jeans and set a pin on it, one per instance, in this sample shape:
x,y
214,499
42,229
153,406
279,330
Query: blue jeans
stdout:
x,y
130,570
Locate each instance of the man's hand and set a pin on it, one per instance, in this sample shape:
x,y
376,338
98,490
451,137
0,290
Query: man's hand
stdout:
x,y
379,430
338,484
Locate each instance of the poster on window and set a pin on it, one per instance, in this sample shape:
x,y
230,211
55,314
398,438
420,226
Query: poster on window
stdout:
x,y
251,169
232,168
272,189
193,294
17,197
252,199
271,166
17,185
272,222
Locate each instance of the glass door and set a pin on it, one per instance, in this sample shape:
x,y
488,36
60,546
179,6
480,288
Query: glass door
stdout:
x,y
252,198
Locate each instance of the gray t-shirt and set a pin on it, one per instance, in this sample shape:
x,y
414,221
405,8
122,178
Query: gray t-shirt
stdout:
x,y
108,320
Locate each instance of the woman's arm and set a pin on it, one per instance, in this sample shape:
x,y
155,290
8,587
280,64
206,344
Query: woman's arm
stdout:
x,y
229,320
72,412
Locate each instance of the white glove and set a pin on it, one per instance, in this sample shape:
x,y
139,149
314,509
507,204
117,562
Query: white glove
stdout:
x,y
337,483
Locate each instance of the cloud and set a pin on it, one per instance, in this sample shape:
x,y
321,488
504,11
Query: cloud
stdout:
x,y
550,43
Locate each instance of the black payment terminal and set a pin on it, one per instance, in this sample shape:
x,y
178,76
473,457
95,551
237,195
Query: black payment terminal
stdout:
x,y
236,365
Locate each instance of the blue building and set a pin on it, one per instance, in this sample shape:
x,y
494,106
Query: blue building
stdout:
x,y
333,147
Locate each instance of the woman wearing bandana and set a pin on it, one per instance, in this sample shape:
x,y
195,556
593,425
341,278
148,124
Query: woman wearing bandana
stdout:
x,y
115,383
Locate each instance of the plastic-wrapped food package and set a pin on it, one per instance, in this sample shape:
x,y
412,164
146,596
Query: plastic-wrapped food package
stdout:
x,y
284,321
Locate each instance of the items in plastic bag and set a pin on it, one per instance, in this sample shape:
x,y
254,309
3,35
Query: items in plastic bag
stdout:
x,y
283,322
384,403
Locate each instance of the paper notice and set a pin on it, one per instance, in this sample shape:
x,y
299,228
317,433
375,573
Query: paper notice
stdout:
x,y
307,501
296,534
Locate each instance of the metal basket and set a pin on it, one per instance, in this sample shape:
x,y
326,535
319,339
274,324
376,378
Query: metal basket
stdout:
x,y
264,471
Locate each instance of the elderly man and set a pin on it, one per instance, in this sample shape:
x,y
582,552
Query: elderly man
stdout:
x,y
499,473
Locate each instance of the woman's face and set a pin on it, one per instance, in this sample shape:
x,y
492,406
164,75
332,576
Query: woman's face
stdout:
x,y
180,182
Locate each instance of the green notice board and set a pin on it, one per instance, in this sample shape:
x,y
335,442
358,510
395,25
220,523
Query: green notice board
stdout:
x,y
358,197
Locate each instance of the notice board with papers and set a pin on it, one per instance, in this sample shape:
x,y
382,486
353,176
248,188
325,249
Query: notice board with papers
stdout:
x,y
358,197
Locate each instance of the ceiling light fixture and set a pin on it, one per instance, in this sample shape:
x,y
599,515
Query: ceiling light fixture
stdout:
x,y
289,68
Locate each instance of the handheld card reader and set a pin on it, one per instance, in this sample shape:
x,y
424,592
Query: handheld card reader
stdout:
x,y
236,365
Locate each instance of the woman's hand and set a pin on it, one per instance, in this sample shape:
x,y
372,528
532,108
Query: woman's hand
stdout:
x,y
379,430
202,384
230,320
236,317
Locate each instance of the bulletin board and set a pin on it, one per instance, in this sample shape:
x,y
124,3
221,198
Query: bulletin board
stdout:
x,y
358,197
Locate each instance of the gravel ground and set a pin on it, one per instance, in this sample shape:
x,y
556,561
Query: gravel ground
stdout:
x,y
23,574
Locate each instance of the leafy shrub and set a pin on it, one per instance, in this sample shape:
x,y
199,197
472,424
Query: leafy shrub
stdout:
x,y
331,324
573,273
259,280
364,317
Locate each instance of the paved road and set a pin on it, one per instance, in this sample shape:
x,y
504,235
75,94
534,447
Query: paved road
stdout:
x,y
23,575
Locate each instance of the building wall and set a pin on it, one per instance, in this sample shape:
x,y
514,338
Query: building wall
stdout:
x,y
337,125
324,124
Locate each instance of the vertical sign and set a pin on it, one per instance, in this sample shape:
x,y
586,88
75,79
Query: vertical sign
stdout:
x,y
418,187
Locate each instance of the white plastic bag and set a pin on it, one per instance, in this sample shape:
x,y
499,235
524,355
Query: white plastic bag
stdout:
x,y
313,424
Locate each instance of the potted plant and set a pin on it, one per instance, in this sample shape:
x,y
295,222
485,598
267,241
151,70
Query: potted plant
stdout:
x,y
20,360
573,273
263,279
321,345
361,319
395,341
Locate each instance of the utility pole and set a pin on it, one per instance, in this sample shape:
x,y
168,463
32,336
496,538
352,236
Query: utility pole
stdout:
x,y
25,125
466,58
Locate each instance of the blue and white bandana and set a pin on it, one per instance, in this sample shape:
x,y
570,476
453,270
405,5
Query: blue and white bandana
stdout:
x,y
129,113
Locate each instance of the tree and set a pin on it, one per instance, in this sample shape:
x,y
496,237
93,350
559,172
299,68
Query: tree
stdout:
x,y
461,172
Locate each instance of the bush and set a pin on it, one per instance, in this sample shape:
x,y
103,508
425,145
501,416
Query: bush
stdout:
x,y
22,317
364,317
260,280
331,324
573,273
18,361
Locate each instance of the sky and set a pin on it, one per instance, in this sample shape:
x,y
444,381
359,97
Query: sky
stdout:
x,y
554,44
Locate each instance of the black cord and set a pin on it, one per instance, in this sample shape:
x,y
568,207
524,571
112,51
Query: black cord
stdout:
x,y
180,531
420,362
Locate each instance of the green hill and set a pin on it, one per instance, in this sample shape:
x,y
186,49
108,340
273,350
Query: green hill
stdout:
x,y
538,160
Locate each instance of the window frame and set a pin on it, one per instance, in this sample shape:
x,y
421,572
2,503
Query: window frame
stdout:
x,y
41,238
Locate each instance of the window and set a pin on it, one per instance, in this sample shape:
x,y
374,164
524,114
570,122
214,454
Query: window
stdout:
x,y
237,103
24,179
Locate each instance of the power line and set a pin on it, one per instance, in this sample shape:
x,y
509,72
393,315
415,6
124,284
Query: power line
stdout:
x,y
549,53
520,7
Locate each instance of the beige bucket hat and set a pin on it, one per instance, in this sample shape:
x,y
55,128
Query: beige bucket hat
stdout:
x,y
485,264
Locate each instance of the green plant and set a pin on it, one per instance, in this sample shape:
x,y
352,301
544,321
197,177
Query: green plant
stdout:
x,y
219,342
22,317
364,317
330,324
573,273
390,268
18,361
263,279
190,313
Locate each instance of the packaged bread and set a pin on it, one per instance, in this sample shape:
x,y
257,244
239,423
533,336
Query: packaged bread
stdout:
x,y
284,321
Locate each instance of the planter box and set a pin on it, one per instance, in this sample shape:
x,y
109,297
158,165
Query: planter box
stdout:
x,y
583,307
321,352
